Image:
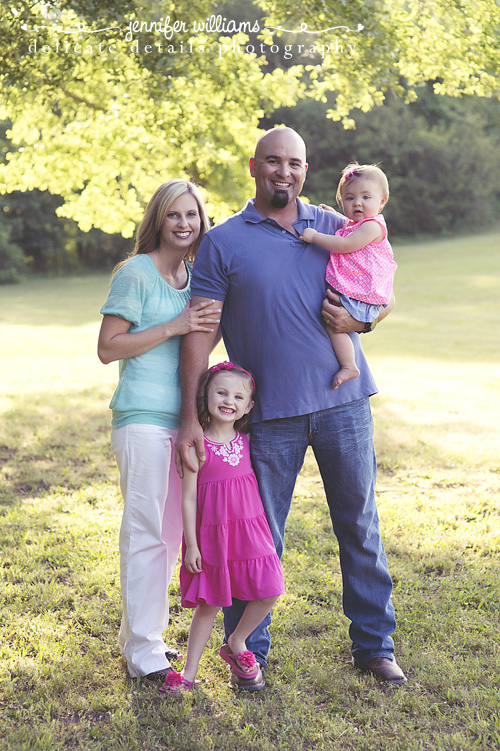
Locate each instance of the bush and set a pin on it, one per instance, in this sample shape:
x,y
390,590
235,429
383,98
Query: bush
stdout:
x,y
12,265
53,244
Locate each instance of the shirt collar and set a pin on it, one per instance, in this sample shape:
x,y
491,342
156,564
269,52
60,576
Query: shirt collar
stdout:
x,y
250,213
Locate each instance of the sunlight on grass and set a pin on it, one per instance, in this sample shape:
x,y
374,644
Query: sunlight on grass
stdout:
x,y
62,683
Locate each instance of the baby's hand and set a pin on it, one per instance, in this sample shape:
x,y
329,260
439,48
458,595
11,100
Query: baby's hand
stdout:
x,y
326,207
308,235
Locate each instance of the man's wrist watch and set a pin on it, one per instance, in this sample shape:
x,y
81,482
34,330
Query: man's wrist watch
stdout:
x,y
369,326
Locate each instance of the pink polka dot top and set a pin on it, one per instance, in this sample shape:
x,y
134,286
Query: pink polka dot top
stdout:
x,y
365,274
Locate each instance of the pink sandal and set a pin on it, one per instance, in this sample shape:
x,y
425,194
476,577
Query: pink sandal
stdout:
x,y
175,683
245,658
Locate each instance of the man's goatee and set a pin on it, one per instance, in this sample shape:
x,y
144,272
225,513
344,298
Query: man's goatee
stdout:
x,y
279,199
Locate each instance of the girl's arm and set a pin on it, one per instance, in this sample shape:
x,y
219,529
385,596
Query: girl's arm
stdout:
x,y
192,558
115,343
369,232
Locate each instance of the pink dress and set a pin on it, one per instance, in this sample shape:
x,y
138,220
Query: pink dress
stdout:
x,y
238,554
365,274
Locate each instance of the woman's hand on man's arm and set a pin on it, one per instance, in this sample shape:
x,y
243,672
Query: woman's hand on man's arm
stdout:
x,y
116,343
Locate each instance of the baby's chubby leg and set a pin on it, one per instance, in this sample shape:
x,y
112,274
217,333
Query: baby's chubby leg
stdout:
x,y
344,351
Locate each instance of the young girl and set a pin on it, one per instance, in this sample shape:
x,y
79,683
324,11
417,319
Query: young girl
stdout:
x,y
227,549
361,266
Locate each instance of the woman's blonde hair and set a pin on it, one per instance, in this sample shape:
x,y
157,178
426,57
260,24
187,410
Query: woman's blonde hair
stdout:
x,y
370,171
147,236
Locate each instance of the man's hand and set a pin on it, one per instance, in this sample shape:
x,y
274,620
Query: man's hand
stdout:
x,y
340,321
190,435
336,316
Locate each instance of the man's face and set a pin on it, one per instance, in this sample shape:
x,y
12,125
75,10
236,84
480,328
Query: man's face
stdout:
x,y
279,168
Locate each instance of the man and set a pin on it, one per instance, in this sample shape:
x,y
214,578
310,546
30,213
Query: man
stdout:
x,y
270,287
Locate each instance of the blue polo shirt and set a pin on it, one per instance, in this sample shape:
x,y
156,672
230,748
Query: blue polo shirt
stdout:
x,y
273,285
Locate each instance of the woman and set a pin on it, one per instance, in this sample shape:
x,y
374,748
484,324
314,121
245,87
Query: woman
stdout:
x,y
145,315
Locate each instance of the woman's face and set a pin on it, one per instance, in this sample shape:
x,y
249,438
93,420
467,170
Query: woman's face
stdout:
x,y
182,224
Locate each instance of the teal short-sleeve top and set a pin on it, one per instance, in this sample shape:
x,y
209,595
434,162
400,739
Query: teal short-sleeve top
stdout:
x,y
148,390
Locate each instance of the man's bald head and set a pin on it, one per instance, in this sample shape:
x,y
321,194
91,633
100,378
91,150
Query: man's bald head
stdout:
x,y
281,135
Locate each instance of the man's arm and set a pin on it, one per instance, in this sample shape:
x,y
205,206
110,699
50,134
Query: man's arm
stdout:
x,y
340,321
195,351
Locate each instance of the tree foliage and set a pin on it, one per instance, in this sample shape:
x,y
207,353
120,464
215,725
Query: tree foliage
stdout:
x,y
103,126
453,43
103,129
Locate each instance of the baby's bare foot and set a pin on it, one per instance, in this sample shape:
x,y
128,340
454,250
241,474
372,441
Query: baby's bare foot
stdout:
x,y
344,374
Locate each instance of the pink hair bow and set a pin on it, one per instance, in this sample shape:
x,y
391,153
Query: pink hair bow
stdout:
x,y
226,365
350,172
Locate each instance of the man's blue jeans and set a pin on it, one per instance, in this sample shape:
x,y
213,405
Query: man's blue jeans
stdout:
x,y
342,442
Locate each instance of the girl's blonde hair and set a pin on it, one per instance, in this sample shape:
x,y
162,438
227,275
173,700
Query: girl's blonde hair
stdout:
x,y
369,171
147,236
243,424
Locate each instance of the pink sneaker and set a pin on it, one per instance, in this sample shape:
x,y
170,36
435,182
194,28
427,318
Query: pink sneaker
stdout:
x,y
175,683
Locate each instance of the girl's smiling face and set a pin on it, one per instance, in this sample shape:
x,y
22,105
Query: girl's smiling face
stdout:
x,y
362,198
229,397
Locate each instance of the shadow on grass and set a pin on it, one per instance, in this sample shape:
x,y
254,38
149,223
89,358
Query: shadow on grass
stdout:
x,y
54,441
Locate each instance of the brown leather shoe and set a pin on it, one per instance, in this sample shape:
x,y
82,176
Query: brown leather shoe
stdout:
x,y
256,683
156,676
384,669
173,654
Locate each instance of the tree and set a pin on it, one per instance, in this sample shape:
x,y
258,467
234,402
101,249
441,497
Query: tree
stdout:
x,y
102,126
395,46
33,238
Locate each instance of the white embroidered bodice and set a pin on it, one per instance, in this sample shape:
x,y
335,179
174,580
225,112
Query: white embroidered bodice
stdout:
x,y
230,454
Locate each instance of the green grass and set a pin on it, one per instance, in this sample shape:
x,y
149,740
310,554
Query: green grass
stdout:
x,y
62,683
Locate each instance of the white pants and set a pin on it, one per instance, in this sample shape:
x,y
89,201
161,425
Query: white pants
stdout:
x,y
150,538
